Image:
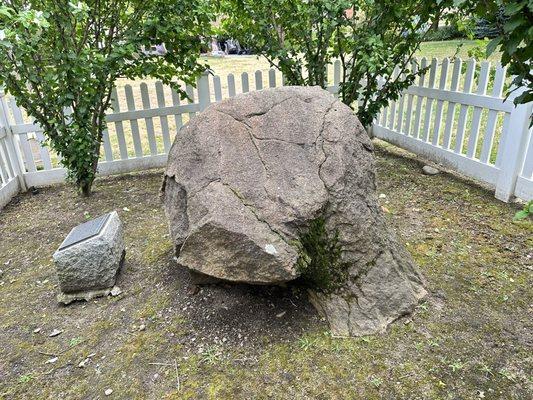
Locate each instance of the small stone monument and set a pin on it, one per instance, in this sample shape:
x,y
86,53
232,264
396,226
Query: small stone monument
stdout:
x,y
88,260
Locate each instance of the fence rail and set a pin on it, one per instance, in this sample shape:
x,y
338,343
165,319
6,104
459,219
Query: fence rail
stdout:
x,y
454,115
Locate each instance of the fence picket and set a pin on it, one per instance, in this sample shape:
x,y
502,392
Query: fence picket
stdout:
x,y
418,114
231,85
527,171
165,130
438,111
134,124
6,173
461,121
244,82
336,75
429,101
108,151
392,103
119,127
476,116
217,88
258,80
399,122
10,160
383,116
11,151
176,101
190,98
145,97
447,137
272,78
43,150
488,138
409,116
29,162
204,92
505,129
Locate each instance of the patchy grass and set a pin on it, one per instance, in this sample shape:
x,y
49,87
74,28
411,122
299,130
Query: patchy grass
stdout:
x,y
471,339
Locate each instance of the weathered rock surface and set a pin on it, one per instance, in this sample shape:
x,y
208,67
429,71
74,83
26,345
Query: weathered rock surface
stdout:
x,y
89,268
247,175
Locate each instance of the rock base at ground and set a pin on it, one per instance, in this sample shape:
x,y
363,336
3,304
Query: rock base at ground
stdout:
x,y
67,298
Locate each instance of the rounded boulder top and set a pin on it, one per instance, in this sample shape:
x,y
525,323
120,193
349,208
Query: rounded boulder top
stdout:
x,y
247,173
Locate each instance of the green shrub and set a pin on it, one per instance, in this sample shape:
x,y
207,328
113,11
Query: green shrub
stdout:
x,y
442,33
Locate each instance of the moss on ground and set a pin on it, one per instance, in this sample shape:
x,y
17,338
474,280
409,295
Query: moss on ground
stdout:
x,y
471,339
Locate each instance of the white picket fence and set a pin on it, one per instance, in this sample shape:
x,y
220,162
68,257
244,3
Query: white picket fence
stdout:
x,y
146,116
474,132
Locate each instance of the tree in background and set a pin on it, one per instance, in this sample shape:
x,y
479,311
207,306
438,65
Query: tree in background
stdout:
x,y
515,40
61,59
370,38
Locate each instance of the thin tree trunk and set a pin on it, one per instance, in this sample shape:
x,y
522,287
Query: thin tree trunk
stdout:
x,y
86,187
435,22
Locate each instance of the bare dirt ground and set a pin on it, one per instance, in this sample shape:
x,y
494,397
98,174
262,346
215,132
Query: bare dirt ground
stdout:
x,y
471,339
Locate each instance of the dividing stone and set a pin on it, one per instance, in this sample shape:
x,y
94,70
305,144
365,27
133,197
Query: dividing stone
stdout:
x,y
258,185
88,260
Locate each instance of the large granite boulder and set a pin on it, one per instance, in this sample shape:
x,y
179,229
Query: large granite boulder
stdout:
x,y
248,175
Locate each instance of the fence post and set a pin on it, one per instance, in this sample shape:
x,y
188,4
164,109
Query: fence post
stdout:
x,y
513,148
16,162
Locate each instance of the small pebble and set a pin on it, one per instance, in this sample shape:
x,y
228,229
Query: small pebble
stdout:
x,y
429,170
37,330
116,291
51,360
382,195
108,392
55,332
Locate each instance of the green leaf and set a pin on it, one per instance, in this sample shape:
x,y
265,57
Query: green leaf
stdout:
x,y
514,7
521,215
491,46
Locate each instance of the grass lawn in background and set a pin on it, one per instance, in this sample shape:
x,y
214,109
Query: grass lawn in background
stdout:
x,y
238,64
